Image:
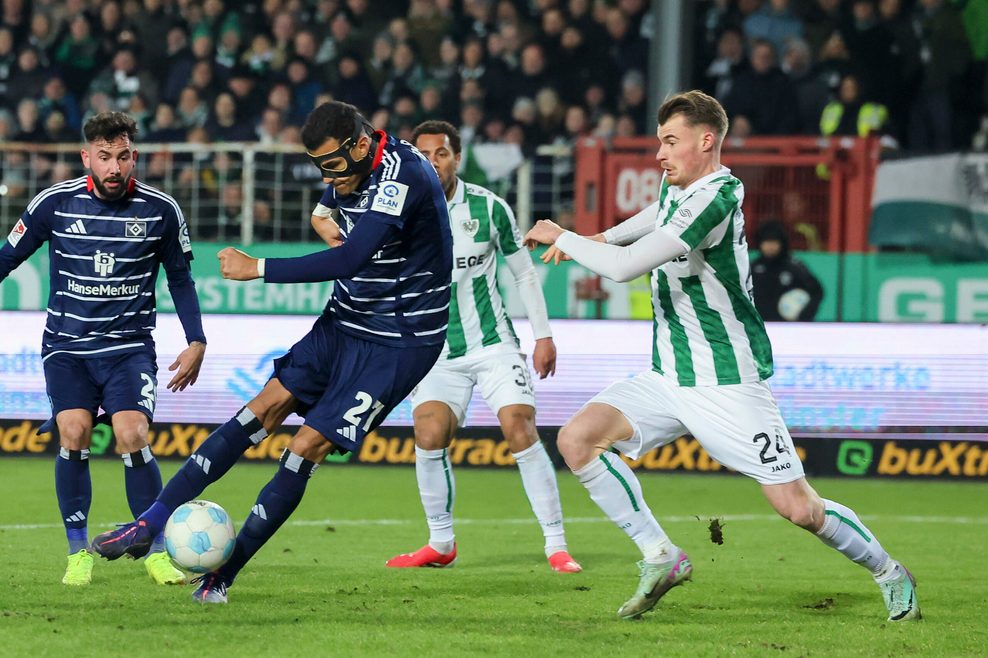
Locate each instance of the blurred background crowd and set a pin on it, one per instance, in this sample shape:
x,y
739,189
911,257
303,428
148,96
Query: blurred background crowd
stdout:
x,y
527,72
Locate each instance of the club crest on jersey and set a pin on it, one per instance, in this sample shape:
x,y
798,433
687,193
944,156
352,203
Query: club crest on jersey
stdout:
x,y
470,226
136,229
17,233
104,263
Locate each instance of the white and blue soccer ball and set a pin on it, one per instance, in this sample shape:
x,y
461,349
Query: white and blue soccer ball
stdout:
x,y
199,536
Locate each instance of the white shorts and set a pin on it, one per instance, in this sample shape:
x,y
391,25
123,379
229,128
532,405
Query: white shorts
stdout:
x,y
739,425
499,371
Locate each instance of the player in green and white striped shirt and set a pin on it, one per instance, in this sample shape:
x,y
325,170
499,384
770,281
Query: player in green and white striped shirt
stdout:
x,y
710,357
481,351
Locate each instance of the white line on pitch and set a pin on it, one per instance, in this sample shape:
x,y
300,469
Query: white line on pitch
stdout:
x,y
914,518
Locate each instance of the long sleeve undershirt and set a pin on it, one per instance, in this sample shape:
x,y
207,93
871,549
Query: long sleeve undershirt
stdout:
x,y
530,289
622,263
183,292
633,228
338,263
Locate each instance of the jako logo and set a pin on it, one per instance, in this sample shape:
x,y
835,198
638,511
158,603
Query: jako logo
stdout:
x,y
104,263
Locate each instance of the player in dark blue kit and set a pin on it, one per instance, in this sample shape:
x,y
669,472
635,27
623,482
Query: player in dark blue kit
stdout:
x,y
380,333
107,234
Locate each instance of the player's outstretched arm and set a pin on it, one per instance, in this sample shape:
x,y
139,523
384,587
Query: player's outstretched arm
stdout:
x,y
340,263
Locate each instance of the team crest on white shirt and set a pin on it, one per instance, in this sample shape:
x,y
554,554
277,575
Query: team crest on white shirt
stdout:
x,y
470,226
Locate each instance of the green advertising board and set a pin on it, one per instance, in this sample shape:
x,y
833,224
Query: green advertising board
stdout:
x,y
858,288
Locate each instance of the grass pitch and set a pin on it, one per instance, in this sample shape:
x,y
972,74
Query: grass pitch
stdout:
x,y
320,587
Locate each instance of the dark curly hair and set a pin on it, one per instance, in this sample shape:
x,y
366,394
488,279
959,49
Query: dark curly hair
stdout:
x,y
108,126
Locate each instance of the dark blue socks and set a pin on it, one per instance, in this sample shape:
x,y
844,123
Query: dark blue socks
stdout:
x,y
142,479
74,490
217,454
274,505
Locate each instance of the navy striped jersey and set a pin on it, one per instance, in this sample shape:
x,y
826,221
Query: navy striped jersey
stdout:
x,y
105,258
401,297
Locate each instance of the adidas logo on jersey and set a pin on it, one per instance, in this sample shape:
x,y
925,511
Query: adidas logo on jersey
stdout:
x,y
259,511
349,432
77,227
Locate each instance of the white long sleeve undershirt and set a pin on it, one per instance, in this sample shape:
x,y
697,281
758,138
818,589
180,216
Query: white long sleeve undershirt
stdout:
x,y
530,289
633,228
622,263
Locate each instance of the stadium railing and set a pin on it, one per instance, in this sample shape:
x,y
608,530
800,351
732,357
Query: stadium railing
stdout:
x,y
247,192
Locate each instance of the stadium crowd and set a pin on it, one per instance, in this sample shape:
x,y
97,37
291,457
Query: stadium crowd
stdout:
x,y
519,71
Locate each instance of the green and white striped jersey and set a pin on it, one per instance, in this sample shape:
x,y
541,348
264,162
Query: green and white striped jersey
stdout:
x,y
706,330
482,223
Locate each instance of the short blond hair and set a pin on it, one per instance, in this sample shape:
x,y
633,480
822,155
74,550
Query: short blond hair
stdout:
x,y
697,108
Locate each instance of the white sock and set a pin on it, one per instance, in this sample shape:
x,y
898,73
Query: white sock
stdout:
x,y
539,479
437,488
842,530
616,490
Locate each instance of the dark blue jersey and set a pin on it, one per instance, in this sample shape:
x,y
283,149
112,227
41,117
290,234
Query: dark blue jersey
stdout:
x,y
398,293
105,258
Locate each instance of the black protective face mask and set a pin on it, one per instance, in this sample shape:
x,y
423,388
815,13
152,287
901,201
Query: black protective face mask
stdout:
x,y
345,165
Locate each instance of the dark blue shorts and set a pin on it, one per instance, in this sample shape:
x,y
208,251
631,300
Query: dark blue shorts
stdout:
x,y
125,382
346,386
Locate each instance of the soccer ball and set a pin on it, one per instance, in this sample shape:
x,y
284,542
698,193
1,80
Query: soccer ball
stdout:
x,y
199,536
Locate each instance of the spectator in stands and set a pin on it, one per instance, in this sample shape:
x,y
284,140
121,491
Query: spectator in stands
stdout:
x,y
378,67
764,95
905,70
260,56
77,55
245,87
628,51
728,65
550,113
870,43
178,63
406,74
852,114
449,62
227,51
426,25
282,32
531,75
192,111
43,35
205,81
224,125
945,54
354,86
56,98
785,289
822,19
122,79
165,128
633,101
580,65
774,22
149,23
29,127
270,126
56,131
812,93
28,78
109,24
305,89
